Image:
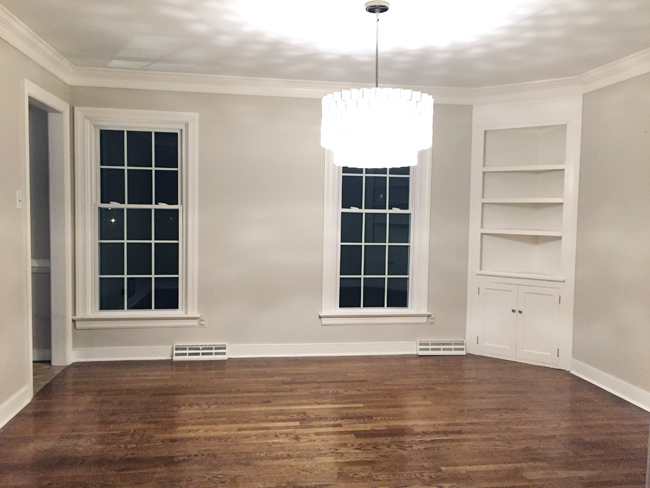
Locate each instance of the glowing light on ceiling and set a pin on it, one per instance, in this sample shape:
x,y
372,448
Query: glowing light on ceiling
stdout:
x,y
343,26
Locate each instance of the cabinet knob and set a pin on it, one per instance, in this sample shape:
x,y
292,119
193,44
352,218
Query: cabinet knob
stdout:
x,y
513,310
521,311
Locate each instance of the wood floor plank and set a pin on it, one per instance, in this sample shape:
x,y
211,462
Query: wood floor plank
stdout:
x,y
356,422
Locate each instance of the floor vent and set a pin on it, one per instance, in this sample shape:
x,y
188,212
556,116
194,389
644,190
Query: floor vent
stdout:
x,y
199,352
441,348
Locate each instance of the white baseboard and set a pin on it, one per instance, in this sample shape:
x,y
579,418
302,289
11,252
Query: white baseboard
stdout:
x,y
607,382
249,351
90,354
333,349
15,404
42,355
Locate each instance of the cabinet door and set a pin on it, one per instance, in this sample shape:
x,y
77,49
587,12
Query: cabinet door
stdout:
x,y
498,320
538,315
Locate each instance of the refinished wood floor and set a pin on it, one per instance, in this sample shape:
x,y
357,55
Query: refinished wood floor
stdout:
x,y
398,421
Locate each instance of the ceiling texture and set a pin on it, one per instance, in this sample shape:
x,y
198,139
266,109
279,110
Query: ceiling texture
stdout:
x,y
444,43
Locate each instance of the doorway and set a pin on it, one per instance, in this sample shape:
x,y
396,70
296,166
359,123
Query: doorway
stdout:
x,y
48,211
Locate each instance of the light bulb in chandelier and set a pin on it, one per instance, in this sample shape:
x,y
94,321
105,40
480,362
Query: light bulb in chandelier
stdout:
x,y
377,127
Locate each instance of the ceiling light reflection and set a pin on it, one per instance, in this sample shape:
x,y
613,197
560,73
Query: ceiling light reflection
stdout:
x,y
343,25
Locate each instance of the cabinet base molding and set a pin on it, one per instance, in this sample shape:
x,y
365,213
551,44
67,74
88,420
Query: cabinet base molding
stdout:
x,y
473,351
633,394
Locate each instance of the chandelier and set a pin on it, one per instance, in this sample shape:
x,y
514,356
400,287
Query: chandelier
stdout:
x,y
377,127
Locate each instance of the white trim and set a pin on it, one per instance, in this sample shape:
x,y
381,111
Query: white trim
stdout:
x,y
61,250
419,266
238,85
135,322
87,120
152,353
16,33
361,318
15,404
41,355
618,387
303,350
623,69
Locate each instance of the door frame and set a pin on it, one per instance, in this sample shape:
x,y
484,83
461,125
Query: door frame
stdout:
x,y
61,231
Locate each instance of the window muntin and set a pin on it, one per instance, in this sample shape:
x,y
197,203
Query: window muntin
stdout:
x,y
139,220
375,238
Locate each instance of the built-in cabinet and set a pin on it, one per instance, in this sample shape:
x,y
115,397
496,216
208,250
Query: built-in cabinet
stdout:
x,y
525,159
519,321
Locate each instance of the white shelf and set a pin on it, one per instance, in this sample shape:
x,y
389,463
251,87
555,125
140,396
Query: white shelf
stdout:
x,y
523,232
522,200
532,276
527,168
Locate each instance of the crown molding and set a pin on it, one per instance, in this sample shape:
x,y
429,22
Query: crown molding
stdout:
x,y
237,85
16,33
623,69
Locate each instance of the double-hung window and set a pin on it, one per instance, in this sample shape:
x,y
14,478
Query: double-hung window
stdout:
x,y
136,194
376,244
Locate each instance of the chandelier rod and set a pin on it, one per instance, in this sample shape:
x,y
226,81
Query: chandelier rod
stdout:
x,y
377,12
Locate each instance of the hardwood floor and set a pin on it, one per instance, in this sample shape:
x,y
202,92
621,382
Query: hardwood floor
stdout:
x,y
43,374
399,421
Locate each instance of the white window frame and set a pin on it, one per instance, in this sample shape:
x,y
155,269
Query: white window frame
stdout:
x,y
416,312
88,122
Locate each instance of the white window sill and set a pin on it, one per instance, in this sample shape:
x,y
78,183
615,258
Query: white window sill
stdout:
x,y
375,318
124,321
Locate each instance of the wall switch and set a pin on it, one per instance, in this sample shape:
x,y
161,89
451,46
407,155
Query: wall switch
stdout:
x,y
19,199
202,321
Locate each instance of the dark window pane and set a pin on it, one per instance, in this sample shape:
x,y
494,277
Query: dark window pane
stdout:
x,y
166,149
350,260
111,224
140,186
138,149
352,170
138,259
166,224
351,225
406,170
166,259
111,259
166,293
138,224
375,227
398,260
352,190
375,260
397,293
350,293
111,293
373,292
399,230
398,193
375,192
376,171
112,185
111,144
167,187
138,294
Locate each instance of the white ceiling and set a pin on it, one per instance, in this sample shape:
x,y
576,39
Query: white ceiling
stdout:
x,y
454,43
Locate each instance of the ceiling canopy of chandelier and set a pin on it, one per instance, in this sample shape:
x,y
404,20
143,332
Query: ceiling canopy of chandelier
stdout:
x,y
377,127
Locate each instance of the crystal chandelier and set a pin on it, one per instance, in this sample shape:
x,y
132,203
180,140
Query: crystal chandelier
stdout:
x,y
377,127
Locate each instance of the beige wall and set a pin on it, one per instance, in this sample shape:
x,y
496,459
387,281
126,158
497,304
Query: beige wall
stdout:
x,y
14,343
612,301
261,177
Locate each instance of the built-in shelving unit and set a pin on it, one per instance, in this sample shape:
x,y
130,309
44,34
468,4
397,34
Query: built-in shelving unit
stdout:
x,y
525,157
523,172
